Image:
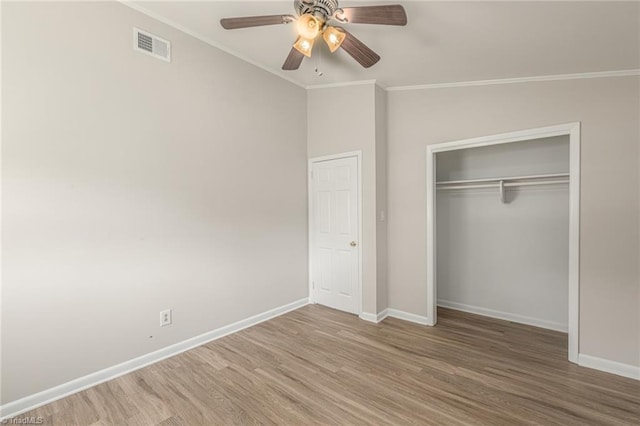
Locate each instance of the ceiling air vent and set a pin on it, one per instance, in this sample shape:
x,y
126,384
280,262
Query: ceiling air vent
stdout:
x,y
151,45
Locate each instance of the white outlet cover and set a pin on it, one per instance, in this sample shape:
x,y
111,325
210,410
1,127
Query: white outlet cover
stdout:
x,y
165,317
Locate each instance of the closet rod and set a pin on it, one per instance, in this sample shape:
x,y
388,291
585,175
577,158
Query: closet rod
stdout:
x,y
506,184
511,178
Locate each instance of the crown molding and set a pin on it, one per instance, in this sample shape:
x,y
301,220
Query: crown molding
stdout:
x,y
575,76
344,84
138,8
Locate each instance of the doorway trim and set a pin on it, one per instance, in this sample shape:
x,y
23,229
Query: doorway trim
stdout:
x,y
311,161
569,129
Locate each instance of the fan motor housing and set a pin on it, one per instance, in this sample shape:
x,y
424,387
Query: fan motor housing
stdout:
x,y
319,8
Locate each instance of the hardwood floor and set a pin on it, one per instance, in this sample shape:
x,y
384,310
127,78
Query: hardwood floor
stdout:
x,y
320,366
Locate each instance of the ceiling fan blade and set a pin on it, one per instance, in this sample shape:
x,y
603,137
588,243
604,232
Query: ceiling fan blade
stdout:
x,y
293,61
255,21
359,51
384,15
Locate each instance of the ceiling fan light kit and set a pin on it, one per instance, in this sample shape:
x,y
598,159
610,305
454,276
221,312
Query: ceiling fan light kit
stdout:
x,y
304,45
333,37
313,19
309,26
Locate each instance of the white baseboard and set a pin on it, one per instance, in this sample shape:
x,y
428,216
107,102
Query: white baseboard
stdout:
x,y
613,367
394,313
367,316
418,319
382,314
550,325
30,402
375,318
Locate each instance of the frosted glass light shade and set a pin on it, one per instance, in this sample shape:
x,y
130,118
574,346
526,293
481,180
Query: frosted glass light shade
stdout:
x,y
304,46
308,26
334,38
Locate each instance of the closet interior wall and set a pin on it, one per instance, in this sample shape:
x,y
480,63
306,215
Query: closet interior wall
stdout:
x,y
508,260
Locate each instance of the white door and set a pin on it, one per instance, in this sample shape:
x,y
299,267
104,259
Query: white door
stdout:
x,y
335,271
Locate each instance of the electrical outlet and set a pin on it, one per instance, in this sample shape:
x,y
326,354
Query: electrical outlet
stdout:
x,y
165,317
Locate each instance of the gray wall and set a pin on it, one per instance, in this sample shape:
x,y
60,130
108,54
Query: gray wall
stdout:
x,y
532,157
131,185
355,130
382,290
362,126
609,111
513,258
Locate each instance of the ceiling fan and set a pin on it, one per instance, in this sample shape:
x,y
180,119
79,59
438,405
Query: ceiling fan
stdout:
x,y
314,18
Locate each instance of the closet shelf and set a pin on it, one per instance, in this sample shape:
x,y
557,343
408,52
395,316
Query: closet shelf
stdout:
x,y
502,183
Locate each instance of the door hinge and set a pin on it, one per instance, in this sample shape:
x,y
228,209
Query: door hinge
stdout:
x,y
313,285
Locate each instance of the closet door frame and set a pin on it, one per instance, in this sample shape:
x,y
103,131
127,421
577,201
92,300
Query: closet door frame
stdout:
x,y
569,129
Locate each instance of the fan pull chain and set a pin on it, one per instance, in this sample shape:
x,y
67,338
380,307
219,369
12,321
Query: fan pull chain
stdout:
x,y
317,69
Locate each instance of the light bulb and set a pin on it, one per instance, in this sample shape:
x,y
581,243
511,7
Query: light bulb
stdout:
x,y
308,26
304,46
334,38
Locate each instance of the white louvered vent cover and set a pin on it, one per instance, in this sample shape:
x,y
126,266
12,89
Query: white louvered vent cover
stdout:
x,y
151,45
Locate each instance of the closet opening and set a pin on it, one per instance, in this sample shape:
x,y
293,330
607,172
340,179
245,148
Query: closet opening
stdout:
x,y
503,228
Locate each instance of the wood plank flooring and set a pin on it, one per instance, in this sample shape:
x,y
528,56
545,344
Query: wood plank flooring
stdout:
x,y
320,366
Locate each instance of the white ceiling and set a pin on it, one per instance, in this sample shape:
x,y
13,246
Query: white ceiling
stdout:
x,y
443,42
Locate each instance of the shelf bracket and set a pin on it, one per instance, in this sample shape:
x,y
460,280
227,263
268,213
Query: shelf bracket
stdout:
x,y
503,196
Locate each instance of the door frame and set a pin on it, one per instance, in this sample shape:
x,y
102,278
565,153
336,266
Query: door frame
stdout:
x,y
569,129
358,156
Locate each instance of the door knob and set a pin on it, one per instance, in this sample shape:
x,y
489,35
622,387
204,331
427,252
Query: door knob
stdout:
x,y
353,244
